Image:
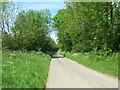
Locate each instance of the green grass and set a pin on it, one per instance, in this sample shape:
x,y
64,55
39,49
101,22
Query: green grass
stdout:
x,y
24,70
107,65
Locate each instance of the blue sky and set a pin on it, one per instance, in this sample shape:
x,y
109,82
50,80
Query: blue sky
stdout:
x,y
52,6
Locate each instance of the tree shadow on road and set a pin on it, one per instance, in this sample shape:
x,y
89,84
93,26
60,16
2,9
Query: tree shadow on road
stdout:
x,y
57,56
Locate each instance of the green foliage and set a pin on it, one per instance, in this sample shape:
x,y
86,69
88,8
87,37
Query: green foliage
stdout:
x,y
30,32
88,26
25,70
89,31
108,65
7,15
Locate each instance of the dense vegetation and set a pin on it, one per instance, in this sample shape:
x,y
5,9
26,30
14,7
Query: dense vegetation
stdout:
x,y
25,70
88,31
25,40
85,27
30,30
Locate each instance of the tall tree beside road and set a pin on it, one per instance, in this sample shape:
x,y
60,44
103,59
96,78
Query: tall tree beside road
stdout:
x,y
29,31
84,27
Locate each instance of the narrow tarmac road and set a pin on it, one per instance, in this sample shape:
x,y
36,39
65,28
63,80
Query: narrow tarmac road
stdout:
x,y
65,73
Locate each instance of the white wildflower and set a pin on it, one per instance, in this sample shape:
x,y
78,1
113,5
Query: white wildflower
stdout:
x,y
4,65
13,66
11,62
76,54
12,54
13,72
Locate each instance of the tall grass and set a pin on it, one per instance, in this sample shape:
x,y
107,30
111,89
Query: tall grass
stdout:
x,y
24,70
106,64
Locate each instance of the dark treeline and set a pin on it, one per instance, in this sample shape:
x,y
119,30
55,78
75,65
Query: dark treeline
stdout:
x,y
29,31
88,26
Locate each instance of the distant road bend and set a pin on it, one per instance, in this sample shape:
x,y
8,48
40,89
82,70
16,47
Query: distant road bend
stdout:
x,y
65,73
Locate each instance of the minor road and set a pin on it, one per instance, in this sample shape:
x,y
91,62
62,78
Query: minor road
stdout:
x,y
65,73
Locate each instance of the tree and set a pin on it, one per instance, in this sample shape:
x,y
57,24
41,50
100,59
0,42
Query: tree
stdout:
x,y
7,16
30,32
84,27
8,11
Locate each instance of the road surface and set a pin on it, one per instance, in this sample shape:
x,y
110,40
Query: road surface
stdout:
x,y
65,73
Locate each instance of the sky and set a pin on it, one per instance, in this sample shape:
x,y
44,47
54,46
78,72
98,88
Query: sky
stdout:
x,y
37,0
52,6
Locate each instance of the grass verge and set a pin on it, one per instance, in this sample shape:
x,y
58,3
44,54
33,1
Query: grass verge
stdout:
x,y
24,70
107,65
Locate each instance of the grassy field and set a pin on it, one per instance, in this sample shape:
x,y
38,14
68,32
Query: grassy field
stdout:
x,y
108,65
24,70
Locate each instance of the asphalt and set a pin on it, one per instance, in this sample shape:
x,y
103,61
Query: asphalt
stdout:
x,y
65,73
